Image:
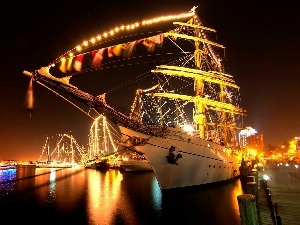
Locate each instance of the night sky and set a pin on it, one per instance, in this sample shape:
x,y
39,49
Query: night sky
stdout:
x,y
262,53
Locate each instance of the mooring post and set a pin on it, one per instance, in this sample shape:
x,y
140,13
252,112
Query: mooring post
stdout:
x,y
252,189
250,179
248,211
254,173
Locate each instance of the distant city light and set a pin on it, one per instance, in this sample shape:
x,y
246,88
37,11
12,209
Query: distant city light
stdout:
x,y
188,128
266,177
244,134
248,131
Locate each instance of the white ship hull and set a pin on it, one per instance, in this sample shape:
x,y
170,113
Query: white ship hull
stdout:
x,y
202,161
132,165
55,165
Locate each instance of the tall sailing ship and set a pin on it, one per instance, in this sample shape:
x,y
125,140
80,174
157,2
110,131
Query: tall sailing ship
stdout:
x,y
182,153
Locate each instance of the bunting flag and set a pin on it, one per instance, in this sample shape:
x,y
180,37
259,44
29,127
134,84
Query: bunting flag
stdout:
x,y
63,67
98,57
158,39
125,50
110,52
78,63
129,49
69,64
150,45
117,50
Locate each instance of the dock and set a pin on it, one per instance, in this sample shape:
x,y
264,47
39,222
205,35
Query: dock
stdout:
x,y
277,195
284,189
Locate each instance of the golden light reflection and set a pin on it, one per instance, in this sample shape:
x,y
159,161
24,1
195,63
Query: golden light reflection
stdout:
x,y
237,190
103,195
52,185
42,179
67,197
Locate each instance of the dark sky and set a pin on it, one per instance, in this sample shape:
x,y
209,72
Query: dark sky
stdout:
x,y
262,53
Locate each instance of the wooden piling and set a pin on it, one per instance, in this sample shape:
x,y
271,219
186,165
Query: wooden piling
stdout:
x,y
248,210
250,179
254,171
252,189
255,174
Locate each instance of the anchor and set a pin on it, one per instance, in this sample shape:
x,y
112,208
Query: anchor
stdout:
x,y
171,158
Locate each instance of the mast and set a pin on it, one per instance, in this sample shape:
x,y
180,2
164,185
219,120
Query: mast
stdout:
x,y
201,75
203,59
72,149
199,111
48,151
104,137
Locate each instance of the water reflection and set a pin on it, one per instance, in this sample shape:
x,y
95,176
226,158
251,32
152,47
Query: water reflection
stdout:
x,y
206,205
5,177
236,191
87,196
156,194
52,194
102,195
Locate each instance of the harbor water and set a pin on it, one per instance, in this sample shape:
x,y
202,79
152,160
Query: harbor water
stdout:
x,y
30,195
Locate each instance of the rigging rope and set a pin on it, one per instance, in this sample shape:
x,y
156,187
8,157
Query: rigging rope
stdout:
x,y
68,101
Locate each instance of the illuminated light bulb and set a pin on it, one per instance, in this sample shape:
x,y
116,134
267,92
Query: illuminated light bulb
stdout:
x,y
78,48
71,54
63,59
137,24
266,177
93,40
188,128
